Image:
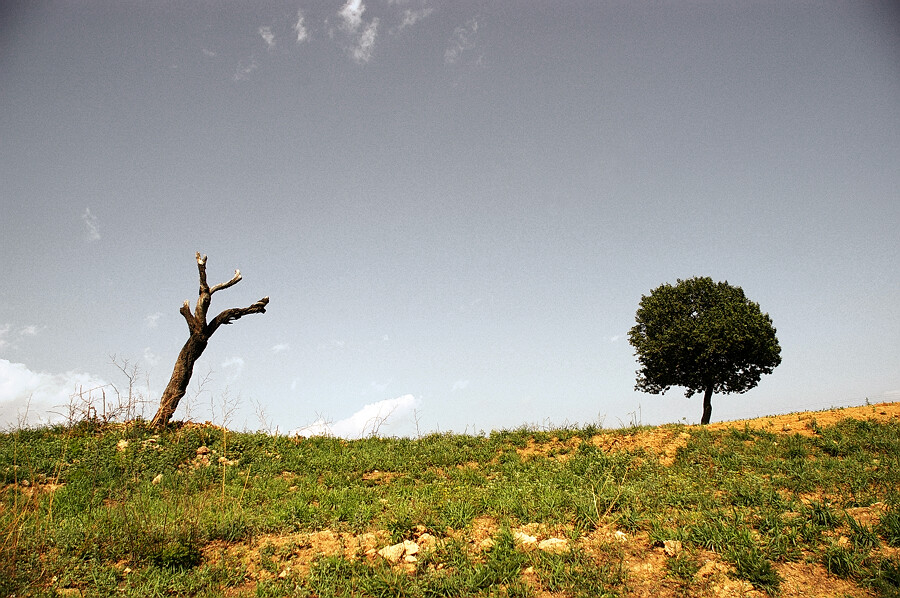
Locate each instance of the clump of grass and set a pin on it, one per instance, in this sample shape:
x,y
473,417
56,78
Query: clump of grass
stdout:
x,y
843,561
751,564
889,525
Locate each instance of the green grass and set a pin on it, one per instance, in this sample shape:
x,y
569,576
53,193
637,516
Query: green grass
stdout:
x,y
124,511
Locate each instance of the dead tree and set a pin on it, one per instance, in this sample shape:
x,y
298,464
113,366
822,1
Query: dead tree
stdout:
x,y
200,331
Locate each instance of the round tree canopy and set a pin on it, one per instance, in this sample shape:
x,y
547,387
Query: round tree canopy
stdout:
x,y
705,336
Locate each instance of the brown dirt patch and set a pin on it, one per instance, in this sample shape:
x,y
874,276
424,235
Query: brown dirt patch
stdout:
x,y
805,423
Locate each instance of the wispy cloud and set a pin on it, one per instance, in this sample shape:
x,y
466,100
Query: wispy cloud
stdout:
x,y
463,40
281,348
244,70
151,358
152,320
92,227
460,385
235,365
300,28
411,17
8,337
370,420
208,53
267,35
351,14
362,52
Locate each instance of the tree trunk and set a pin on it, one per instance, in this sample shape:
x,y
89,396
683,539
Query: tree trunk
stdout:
x,y
181,377
200,332
707,405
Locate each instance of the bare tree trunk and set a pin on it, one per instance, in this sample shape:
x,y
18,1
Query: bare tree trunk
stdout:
x,y
200,332
707,405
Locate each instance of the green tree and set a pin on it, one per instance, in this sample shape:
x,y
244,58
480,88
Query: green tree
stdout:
x,y
705,336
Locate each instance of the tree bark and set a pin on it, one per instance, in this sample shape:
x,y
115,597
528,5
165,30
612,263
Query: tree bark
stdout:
x,y
200,332
707,405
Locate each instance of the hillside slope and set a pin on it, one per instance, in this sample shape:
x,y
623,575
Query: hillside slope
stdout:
x,y
804,504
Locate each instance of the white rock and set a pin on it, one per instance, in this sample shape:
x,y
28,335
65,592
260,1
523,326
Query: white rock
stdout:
x,y
427,541
523,538
672,547
393,553
556,545
157,479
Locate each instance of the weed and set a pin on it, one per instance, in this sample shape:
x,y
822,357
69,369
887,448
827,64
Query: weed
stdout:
x,y
750,564
683,566
889,525
842,561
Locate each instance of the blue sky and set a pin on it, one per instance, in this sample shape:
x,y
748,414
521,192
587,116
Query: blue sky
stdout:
x,y
454,207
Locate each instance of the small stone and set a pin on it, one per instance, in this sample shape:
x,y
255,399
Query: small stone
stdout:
x,y
284,573
621,536
555,545
393,553
410,558
157,479
523,538
121,445
410,547
203,450
427,541
672,547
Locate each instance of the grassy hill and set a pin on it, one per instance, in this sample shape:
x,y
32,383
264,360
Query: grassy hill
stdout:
x,y
799,505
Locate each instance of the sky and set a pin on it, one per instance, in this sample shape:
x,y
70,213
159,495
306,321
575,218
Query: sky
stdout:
x,y
454,207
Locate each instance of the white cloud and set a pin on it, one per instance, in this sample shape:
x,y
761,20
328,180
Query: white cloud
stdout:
x,y
281,347
615,338
43,396
267,35
91,225
300,28
208,53
461,42
351,13
29,331
368,421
